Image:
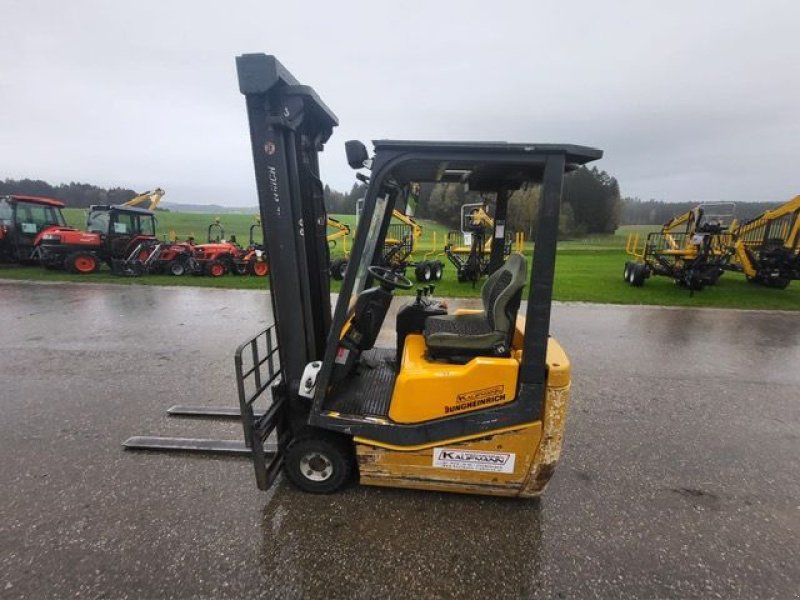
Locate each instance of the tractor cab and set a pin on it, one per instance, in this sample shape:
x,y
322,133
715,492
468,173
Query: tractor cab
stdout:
x,y
24,219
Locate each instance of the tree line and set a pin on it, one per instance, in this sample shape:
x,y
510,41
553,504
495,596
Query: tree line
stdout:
x,y
657,212
591,204
79,195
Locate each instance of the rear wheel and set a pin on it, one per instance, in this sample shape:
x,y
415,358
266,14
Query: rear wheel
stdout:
x,y
423,272
319,463
215,268
82,262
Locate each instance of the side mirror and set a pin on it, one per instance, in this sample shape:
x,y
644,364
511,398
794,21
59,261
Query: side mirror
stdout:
x,y
356,154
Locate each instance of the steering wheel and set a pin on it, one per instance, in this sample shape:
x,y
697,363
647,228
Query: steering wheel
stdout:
x,y
390,279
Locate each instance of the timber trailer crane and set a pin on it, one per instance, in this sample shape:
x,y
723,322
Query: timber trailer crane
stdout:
x,y
152,197
340,231
400,243
470,250
767,248
692,248
472,402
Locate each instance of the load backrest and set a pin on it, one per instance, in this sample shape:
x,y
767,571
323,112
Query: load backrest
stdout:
x,y
502,292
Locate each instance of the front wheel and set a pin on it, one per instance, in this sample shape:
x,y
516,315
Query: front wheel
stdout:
x,y
319,463
216,268
82,262
259,268
176,268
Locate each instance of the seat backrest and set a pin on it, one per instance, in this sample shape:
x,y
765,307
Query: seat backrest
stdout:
x,y
502,292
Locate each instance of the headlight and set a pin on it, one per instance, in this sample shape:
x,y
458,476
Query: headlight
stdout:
x,y
259,253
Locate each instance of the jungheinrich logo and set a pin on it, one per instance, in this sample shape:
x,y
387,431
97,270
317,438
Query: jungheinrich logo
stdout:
x,y
473,460
477,398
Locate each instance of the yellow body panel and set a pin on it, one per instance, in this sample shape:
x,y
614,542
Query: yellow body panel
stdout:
x,y
427,390
535,447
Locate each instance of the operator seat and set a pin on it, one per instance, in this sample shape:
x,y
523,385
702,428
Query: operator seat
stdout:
x,y
489,332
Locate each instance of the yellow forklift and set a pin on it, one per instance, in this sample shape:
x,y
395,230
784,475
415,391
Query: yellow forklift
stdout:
x,y
471,402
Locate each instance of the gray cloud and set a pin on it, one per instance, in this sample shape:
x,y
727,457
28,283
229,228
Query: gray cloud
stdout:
x,y
690,100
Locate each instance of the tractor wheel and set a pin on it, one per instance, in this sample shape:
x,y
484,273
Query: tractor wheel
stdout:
x,y
82,262
215,268
259,268
438,270
175,267
319,463
627,272
423,272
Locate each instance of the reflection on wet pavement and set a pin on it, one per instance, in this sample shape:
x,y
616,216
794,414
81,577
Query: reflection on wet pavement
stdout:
x,y
680,475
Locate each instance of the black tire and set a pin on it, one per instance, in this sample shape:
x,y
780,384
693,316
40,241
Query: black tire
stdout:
x,y
423,272
77,263
626,272
779,283
638,274
319,463
176,268
338,269
438,270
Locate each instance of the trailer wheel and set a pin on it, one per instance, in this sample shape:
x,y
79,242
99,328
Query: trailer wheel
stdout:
x,y
259,268
438,270
319,463
82,262
779,283
338,269
176,268
423,272
638,273
215,268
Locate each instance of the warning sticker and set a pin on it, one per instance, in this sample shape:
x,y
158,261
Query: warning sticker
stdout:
x,y
469,460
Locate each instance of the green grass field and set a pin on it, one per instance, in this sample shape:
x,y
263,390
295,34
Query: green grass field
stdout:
x,y
587,270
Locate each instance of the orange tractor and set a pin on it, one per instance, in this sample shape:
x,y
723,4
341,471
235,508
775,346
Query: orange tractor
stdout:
x,y
113,231
215,258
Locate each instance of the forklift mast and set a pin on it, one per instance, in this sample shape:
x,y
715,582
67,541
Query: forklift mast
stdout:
x,y
289,125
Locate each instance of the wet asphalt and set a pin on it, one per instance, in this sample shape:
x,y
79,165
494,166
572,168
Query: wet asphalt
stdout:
x,y
680,475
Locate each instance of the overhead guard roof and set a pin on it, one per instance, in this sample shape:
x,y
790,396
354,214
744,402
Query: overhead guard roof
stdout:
x,y
483,165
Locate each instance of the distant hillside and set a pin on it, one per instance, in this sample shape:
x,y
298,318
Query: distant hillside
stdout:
x,y
208,208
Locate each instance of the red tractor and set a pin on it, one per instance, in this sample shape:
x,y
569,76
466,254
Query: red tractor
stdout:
x,y
219,256
214,258
23,222
113,232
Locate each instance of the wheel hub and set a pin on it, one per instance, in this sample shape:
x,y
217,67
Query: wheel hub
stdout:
x,y
316,466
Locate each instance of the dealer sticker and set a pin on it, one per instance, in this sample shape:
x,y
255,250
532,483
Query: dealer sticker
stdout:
x,y
469,460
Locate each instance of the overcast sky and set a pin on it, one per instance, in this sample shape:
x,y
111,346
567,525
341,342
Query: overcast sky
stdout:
x,y
690,100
